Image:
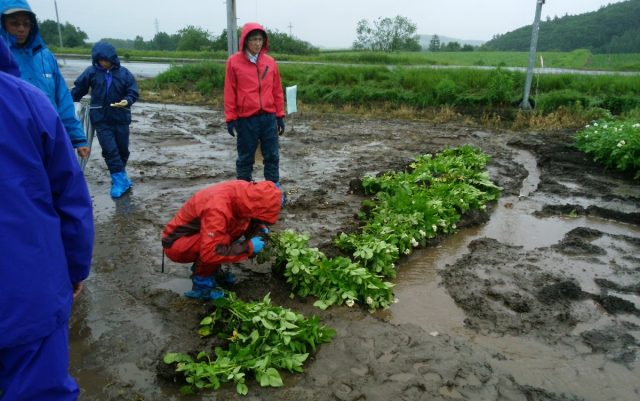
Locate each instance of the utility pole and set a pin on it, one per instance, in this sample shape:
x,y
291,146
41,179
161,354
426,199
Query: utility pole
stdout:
x,y
525,105
290,32
157,26
232,27
55,3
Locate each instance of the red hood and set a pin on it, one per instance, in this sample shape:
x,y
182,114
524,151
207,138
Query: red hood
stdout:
x,y
259,200
252,26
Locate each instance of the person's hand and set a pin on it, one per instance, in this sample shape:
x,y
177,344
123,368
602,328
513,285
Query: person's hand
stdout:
x,y
83,152
280,123
122,103
231,127
263,229
257,243
77,288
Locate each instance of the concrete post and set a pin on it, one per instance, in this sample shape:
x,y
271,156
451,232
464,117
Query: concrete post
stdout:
x,y
525,105
232,27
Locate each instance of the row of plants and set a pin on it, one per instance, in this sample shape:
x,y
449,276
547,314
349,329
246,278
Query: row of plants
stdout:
x,y
405,211
420,88
614,143
254,339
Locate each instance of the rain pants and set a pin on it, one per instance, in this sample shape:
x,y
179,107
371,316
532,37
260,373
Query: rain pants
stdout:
x,y
46,240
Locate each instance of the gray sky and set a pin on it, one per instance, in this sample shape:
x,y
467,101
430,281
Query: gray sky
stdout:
x,y
325,23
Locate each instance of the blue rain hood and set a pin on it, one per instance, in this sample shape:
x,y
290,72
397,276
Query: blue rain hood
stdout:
x,y
34,42
105,51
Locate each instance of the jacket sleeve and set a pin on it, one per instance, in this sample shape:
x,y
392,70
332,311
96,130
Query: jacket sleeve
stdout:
x,y
230,93
72,202
217,245
132,89
67,111
278,95
81,85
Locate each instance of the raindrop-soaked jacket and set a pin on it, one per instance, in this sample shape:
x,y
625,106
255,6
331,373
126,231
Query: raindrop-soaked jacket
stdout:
x,y
221,214
46,219
39,67
250,88
123,86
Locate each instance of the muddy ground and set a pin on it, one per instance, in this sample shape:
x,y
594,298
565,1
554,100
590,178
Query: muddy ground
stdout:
x,y
536,300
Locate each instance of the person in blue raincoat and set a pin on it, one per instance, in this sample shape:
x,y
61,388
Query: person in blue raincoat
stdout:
x,y
113,91
20,32
46,242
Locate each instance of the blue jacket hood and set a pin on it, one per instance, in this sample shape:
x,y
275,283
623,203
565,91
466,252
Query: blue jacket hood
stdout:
x,y
35,41
104,50
7,63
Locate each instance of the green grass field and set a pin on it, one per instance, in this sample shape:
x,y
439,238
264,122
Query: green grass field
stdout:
x,y
577,59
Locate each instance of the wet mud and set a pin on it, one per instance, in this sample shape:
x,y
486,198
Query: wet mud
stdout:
x,y
536,299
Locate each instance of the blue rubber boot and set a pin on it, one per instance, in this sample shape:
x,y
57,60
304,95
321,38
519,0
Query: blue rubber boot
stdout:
x,y
119,184
204,288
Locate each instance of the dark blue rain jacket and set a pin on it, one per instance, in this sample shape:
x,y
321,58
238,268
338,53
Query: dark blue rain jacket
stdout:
x,y
39,67
46,218
107,87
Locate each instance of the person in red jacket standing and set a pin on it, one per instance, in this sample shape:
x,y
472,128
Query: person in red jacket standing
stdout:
x,y
254,103
222,223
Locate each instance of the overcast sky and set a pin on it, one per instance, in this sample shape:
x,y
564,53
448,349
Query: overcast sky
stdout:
x,y
325,23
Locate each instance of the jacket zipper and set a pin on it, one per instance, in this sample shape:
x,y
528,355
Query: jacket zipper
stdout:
x,y
260,83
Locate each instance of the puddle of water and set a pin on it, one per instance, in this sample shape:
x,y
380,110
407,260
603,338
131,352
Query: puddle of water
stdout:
x,y
421,300
177,285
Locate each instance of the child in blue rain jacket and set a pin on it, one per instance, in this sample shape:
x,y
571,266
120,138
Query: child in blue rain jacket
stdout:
x,y
113,91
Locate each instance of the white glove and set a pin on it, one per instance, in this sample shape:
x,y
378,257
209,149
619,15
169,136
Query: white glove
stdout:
x,y
122,103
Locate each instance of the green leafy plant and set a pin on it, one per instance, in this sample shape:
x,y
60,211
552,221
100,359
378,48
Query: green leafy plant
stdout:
x,y
407,209
333,281
258,339
615,143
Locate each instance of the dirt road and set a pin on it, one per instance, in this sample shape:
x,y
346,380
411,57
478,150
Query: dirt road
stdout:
x,y
536,300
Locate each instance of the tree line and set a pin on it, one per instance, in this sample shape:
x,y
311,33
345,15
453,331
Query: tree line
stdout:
x,y
191,38
612,29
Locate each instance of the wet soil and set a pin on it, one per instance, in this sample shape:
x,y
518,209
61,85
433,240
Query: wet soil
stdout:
x,y
536,299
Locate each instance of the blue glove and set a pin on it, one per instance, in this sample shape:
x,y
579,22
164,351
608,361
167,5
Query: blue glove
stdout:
x,y
263,229
280,123
258,244
231,128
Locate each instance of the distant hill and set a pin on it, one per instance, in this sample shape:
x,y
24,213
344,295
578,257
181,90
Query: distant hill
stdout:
x,y
426,39
614,28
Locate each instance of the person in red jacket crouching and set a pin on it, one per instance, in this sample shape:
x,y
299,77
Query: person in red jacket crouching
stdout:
x,y
219,224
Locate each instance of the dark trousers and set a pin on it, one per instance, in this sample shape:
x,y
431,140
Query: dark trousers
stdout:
x,y
260,128
114,140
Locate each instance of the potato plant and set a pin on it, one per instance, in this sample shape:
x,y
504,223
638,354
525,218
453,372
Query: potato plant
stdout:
x,y
333,281
614,143
406,210
259,339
